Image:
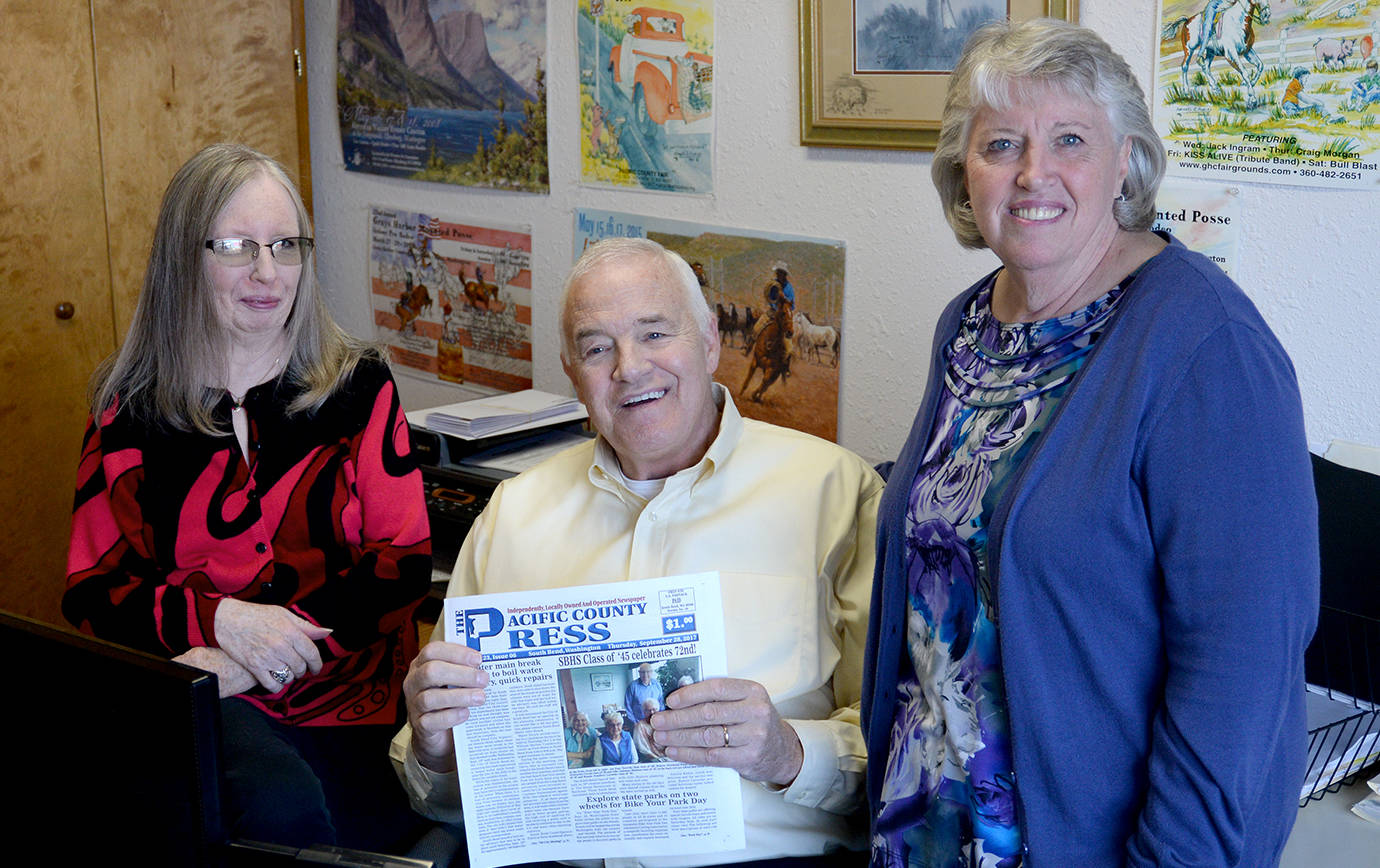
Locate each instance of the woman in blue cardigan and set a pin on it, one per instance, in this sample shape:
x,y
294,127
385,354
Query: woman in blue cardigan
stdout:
x,y
615,747
1097,554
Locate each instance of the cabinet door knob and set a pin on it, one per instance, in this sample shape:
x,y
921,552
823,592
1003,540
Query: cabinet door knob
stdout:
x,y
65,310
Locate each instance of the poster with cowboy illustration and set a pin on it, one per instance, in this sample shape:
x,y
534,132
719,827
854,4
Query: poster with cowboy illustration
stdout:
x,y
452,300
778,304
1270,91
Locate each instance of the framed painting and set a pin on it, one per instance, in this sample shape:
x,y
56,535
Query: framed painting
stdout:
x,y
873,73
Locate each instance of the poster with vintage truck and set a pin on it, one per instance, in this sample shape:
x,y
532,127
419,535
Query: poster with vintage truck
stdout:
x,y
647,94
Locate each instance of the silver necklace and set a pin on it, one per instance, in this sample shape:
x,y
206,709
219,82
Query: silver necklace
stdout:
x,y
237,404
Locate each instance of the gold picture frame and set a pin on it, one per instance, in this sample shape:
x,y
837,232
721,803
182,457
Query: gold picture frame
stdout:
x,y
843,108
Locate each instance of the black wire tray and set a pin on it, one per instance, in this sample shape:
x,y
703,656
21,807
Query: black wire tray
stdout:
x,y
1343,702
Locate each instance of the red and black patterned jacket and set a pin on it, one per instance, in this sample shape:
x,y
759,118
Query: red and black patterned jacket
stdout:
x,y
327,519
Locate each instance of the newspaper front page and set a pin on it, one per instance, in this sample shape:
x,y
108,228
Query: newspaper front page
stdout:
x,y
535,786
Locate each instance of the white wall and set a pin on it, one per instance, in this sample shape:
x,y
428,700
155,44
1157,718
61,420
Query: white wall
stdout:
x,y
591,701
1308,257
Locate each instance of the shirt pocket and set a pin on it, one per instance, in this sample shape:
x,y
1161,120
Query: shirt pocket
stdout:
x,y
775,634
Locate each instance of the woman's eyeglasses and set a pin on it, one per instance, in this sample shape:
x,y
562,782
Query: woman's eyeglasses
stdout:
x,y
242,251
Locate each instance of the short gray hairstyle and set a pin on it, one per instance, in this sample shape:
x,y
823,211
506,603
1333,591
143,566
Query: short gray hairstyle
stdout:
x,y
1000,64
619,250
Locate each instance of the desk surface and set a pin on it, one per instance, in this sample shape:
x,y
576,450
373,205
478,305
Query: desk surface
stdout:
x,y
1327,833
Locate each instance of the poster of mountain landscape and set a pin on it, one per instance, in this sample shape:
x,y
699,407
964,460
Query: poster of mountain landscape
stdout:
x,y
450,91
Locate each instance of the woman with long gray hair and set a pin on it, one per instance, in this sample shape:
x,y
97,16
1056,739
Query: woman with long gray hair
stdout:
x,y
247,504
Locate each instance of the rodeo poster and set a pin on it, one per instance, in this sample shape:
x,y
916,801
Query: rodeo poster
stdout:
x,y
1205,217
1270,91
647,94
778,304
450,91
452,301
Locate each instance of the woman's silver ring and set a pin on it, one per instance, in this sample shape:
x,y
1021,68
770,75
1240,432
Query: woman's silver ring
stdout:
x,y
725,735
282,676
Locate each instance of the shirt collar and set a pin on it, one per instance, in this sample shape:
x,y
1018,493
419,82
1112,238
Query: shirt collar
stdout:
x,y
607,468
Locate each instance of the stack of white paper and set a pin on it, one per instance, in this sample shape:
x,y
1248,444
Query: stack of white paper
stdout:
x,y
1369,807
485,416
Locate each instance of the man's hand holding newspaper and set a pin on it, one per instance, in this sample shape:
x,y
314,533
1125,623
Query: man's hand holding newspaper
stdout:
x,y
730,723
496,704
443,683
725,722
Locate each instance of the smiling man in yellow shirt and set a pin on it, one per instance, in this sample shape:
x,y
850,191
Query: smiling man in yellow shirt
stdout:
x,y
678,482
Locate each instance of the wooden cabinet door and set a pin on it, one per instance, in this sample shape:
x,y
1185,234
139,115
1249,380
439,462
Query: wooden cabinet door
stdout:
x,y
175,77
52,251
102,100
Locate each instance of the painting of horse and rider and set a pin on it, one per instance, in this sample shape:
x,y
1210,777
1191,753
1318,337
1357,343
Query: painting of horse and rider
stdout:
x,y
1274,91
779,309
778,305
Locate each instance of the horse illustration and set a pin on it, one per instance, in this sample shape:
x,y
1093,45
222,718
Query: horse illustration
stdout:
x,y
415,302
728,322
746,326
1233,39
769,353
810,339
481,294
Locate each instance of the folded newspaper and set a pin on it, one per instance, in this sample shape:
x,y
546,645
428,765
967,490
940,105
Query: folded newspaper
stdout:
x,y
530,792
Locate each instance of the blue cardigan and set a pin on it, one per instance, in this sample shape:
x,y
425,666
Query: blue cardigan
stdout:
x,y
1155,566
